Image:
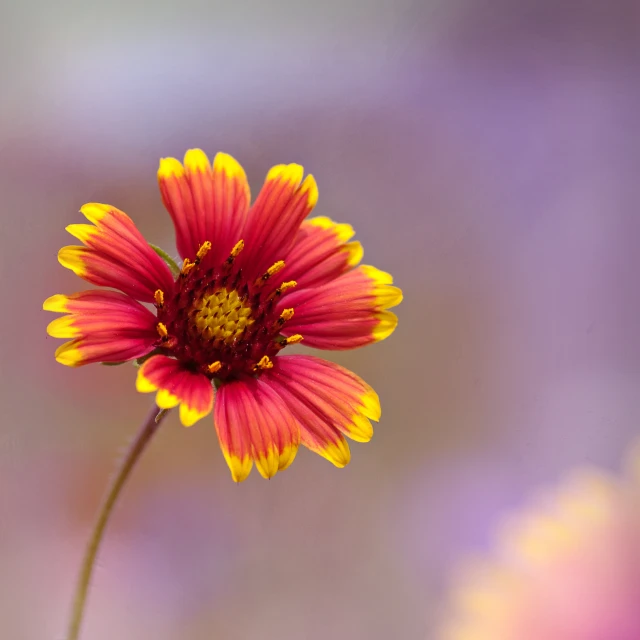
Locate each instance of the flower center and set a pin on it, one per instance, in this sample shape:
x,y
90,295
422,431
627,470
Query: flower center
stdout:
x,y
218,322
221,315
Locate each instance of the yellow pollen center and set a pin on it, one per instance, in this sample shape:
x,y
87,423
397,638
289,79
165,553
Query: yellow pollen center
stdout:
x,y
221,315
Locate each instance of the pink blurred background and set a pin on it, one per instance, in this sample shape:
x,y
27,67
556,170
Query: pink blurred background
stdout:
x,y
487,155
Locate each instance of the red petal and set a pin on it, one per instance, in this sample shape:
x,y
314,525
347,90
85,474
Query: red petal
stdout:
x,y
115,254
107,326
205,203
346,401
275,217
348,312
175,385
254,425
320,253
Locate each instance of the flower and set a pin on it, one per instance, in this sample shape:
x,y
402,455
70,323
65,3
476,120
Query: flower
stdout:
x,y
254,279
566,569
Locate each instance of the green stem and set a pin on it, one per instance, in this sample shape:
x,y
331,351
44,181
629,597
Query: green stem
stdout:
x,y
139,444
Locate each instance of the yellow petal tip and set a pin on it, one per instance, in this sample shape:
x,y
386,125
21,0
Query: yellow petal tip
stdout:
x,y
287,456
291,173
355,252
82,232
68,355
224,163
341,230
337,453
240,468
166,400
170,168
371,405
378,276
321,221
71,258
56,303
189,415
143,384
388,296
361,429
63,328
310,187
196,160
387,323
267,465
94,212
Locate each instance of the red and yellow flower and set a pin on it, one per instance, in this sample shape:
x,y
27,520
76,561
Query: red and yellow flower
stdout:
x,y
254,279
565,567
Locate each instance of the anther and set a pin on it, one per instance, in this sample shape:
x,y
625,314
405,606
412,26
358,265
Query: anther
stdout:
x,y
281,342
265,363
214,366
285,316
283,287
287,285
205,247
271,271
238,247
162,330
187,266
158,296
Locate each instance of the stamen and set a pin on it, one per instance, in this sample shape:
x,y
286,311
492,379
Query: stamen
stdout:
x,y
287,285
238,247
215,366
271,271
274,268
205,247
187,266
294,339
162,330
265,363
158,296
286,315
283,287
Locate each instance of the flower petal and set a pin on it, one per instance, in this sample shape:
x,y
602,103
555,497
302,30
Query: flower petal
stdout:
x,y
327,401
116,254
320,253
347,312
275,217
341,398
107,326
175,385
205,203
254,425
90,349
99,312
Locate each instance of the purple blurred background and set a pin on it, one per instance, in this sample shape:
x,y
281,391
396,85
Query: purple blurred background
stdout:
x,y
487,155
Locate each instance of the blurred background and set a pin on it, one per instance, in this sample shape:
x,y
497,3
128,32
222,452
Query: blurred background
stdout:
x,y
486,153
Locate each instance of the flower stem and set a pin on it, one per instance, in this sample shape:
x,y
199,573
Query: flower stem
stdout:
x,y
139,444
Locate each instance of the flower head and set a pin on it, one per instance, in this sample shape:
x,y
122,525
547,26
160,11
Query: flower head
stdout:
x,y
568,569
254,279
